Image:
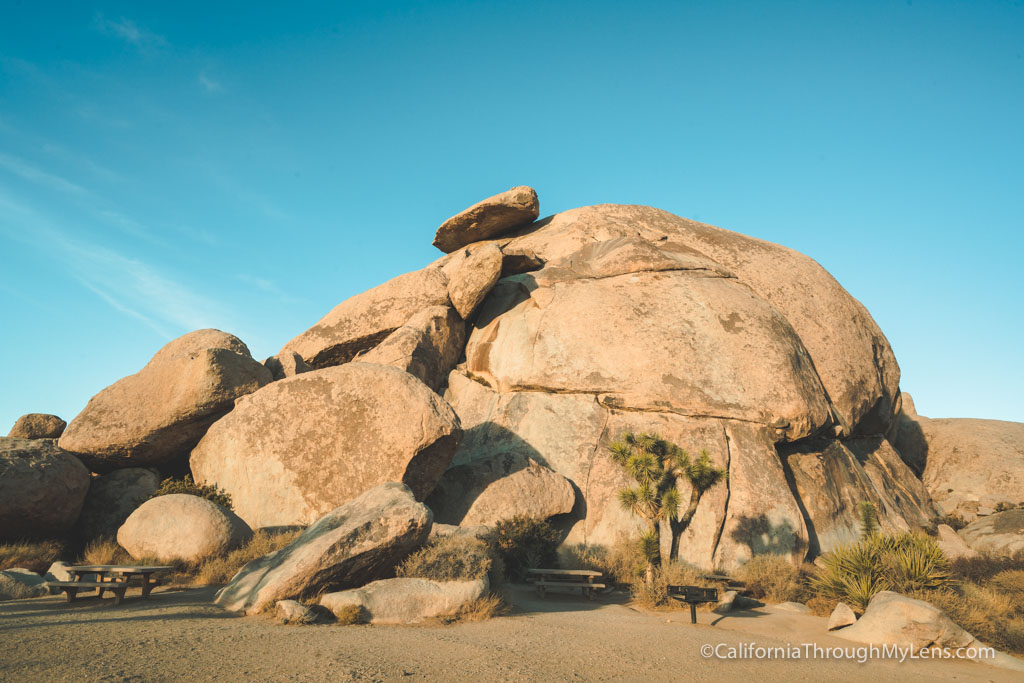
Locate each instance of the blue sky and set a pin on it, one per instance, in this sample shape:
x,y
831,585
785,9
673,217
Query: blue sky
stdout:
x,y
166,168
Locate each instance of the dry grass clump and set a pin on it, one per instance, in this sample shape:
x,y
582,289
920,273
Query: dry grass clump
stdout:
x,y
449,558
36,556
220,569
655,595
348,615
621,563
483,608
774,579
105,550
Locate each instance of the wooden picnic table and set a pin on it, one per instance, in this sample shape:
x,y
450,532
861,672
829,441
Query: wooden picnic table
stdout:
x,y
585,579
115,578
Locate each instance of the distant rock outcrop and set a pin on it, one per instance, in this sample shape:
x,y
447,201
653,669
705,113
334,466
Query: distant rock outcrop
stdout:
x,y
42,488
37,426
300,447
999,534
156,416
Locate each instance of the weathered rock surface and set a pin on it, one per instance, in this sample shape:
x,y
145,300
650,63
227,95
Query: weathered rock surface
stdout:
x,y
158,414
475,277
295,613
892,618
951,543
789,606
489,218
833,477
999,534
42,488
726,602
353,544
427,346
841,617
407,601
486,491
286,364
966,464
363,321
112,498
20,583
58,571
37,426
300,447
181,527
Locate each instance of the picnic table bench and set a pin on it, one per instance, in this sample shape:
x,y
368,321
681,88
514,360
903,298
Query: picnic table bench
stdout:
x,y
115,578
585,579
693,595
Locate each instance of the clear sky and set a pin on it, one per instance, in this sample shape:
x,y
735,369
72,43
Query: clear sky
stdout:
x,y
171,166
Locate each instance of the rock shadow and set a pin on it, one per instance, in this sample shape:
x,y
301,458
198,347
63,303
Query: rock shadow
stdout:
x,y
762,537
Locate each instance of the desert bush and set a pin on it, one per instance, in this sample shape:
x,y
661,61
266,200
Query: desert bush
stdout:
x,y
955,521
523,543
654,594
994,617
983,567
348,615
104,550
482,609
774,579
220,569
191,488
448,558
624,562
36,556
821,605
1003,506
854,573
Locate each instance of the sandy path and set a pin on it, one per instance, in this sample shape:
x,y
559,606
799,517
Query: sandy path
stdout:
x,y
179,634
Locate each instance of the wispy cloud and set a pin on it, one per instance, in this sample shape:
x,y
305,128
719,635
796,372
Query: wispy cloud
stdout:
x,y
129,285
130,32
31,173
93,168
268,287
209,83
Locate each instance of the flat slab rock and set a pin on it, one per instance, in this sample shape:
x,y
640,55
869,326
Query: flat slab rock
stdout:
x,y
406,601
489,218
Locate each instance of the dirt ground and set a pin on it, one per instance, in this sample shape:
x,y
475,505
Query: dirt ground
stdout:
x,y
180,634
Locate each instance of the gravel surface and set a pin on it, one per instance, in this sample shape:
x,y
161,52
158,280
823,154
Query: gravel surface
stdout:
x,y
180,634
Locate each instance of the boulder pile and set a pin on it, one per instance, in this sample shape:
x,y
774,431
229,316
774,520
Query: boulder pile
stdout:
x,y
491,382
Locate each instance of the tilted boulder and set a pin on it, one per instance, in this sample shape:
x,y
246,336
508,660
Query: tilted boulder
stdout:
x,y
360,323
181,527
492,217
37,426
112,498
352,545
486,491
42,489
841,617
474,278
427,346
999,534
300,447
286,364
156,416
406,601
895,619
952,544
966,464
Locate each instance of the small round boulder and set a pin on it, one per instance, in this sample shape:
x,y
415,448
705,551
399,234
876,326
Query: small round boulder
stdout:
x,y
181,527
38,426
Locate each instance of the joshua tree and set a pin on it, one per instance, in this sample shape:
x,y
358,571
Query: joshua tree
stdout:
x,y
656,465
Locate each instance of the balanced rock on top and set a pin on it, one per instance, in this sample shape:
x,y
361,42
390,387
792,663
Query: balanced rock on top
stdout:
x,y
492,217
37,426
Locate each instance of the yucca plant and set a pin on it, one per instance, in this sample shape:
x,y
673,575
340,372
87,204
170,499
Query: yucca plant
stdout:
x,y
868,519
656,465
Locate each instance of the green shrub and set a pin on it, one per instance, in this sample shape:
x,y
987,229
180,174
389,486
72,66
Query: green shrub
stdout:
x,y
449,558
189,487
36,556
524,543
907,562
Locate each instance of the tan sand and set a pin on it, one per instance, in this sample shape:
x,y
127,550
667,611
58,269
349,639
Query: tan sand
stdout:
x,y
179,634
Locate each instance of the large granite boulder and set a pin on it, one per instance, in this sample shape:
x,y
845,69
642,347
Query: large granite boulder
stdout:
x,y
156,416
42,489
833,477
181,527
966,464
489,218
300,447
427,346
358,542
999,534
894,619
486,491
406,601
112,498
363,321
643,321
37,426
